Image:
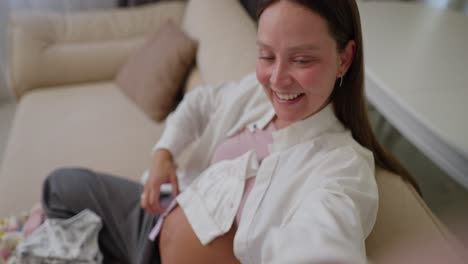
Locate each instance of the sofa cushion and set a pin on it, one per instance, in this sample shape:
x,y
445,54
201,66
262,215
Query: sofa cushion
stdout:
x,y
154,74
227,39
94,126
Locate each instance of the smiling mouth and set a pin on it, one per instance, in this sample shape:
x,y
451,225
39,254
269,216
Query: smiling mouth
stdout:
x,y
288,98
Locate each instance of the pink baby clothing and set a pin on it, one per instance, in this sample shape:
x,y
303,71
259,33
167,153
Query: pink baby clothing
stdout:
x,y
244,141
231,148
239,144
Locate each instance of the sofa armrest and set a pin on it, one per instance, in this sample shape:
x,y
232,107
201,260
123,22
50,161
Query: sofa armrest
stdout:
x,y
59,49
404,219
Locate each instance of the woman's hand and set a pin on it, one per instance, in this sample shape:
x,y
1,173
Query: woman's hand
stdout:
x,y
162,171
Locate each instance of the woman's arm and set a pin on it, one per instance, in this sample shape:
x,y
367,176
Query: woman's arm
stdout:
x,y
190,118
182,127
332,221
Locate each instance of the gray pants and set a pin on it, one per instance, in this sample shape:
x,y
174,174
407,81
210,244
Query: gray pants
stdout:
x,y
124,236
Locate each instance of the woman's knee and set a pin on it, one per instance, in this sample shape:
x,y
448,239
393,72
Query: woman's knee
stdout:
x,y
68,174
63,187
64,180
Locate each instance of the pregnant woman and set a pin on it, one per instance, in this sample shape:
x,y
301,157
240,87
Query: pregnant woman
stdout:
x,y
281,168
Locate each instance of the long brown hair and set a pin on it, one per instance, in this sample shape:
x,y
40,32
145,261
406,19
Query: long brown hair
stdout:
x,y
349,104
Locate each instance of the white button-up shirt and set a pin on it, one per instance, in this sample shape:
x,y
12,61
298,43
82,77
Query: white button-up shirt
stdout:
x,y
315,196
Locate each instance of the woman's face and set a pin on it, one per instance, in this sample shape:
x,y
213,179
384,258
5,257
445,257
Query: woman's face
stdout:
x,y
298,62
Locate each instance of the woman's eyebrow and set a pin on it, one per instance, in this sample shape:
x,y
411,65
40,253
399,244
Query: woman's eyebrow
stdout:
x,y
302,47
259,43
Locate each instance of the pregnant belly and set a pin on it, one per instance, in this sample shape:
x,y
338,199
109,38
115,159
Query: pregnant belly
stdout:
x,y
178,243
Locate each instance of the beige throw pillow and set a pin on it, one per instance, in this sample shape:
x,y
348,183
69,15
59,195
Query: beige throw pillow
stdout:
x,y
153,76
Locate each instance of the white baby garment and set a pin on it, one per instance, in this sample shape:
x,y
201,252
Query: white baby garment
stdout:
x,y
60,241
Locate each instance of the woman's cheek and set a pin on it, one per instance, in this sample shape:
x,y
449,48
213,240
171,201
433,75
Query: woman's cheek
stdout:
x,y
311,78
260,73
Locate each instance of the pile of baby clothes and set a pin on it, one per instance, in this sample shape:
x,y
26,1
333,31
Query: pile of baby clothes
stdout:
x,y
11,233
14,230
63,241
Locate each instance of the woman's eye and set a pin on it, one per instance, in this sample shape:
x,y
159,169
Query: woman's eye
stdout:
x,y
302,61
266,58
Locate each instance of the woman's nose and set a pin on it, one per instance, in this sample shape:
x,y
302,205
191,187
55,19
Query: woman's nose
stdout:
x,y
280,75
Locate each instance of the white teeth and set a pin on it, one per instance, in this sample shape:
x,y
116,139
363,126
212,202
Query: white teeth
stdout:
x,y
288,96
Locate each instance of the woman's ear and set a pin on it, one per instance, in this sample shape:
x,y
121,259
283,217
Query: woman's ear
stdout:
x,y
346,58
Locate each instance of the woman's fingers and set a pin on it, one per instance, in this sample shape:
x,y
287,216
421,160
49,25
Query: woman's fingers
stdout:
x,y
154,199
143,202
144,196
163,171
175,184
150,196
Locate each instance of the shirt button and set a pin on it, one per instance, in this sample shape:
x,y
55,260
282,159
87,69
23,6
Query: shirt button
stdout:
x,y
231,205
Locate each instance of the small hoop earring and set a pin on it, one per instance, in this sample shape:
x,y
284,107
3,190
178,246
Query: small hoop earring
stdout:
x,y
341,81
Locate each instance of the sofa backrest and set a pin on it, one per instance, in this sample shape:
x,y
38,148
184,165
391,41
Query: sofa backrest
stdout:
x,y
59,49
226,36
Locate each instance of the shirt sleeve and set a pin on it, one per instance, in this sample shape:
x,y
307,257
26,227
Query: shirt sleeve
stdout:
x,y
190,118
332,222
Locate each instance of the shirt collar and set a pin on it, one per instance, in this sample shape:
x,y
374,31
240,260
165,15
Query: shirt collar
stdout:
x,y
263,121
311,127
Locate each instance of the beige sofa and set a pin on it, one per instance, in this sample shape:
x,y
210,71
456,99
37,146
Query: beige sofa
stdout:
x,y
70,112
